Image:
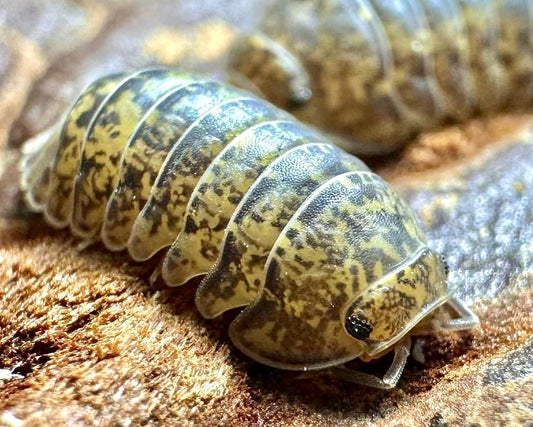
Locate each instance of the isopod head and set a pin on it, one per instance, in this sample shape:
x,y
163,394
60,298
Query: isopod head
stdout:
x,y
389,308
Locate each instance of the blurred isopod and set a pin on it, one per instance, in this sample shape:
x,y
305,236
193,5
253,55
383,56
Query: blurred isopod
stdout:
x,y
378,72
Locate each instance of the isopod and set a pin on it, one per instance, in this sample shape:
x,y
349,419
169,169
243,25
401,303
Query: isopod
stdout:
x,y
378,72
327,260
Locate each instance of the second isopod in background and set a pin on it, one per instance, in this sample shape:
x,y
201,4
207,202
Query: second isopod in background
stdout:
x,y
377,72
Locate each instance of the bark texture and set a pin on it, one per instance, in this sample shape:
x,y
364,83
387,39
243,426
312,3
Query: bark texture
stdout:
x,y
84,338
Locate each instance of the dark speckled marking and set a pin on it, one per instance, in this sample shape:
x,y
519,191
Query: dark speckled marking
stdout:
x,y
68,156
162,217
106,138
221,189
147,149
259,219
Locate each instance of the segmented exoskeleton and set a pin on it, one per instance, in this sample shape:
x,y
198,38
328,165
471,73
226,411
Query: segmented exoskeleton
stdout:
x,y
380,71
328,260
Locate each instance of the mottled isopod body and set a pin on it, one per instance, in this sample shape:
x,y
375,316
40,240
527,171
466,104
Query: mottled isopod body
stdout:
x,y
379,71
327,260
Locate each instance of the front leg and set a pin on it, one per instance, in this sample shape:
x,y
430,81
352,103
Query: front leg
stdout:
x,y
467,318
391,377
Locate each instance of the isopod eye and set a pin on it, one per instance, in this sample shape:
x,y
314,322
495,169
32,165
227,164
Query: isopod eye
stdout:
x,y
299,98
446,266
390,307
357,327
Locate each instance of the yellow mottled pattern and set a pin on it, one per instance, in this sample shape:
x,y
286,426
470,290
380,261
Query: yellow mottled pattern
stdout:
x,y
162,218
147,149
147,237
105,142
380,72
318,264
68,157
220,190
491,80
328,258
348,91
259,219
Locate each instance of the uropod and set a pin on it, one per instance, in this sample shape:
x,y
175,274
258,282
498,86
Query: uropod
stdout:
x,y
327,261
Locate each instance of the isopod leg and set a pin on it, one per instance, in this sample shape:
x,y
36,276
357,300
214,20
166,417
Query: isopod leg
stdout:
x,y
417,352
391,377
86,243
154,277
467,318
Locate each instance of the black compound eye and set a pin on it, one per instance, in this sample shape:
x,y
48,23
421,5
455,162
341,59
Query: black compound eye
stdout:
x,y
358,328
299,98
446,266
